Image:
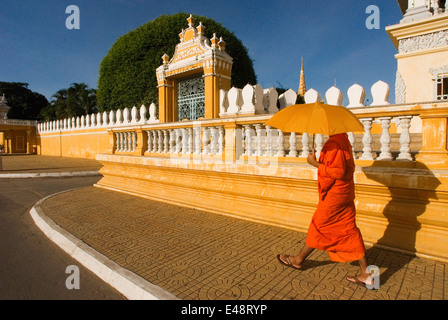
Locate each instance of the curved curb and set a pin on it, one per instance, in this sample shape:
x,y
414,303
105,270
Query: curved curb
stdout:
x,y
126,282
50,174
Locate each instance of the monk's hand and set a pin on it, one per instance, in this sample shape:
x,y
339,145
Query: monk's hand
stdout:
x,y
312,160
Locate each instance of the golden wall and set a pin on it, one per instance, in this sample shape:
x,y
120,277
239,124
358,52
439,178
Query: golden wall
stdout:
x,y
76,144
402,207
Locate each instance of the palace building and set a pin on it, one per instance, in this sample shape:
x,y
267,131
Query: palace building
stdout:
x,y
210,149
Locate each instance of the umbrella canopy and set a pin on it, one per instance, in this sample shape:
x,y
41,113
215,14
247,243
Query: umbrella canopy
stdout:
x,y
316,118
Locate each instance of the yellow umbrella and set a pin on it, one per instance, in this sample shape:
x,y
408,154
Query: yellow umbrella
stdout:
x,y
316,118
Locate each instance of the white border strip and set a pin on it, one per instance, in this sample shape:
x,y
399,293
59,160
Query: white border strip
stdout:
x,y
126,282
49,174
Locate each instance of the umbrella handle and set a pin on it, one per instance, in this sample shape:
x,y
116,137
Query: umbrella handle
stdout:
x,y
313,144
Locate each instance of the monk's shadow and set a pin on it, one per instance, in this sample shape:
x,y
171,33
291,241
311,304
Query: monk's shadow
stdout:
x,y
407,203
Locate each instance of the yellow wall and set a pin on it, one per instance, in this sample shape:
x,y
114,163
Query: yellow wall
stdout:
x,y
401,207
77,143
414,69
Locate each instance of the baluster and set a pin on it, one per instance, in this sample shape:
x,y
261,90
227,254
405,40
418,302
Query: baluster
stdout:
x,y
319,143
280,146
190,140
405,138
351,138
305,145
135,142
178,140
247,144
172,141
184,141
128,141
221,140
123,142
166,145
155,141
206,140
117,141
258,151
269,141
197,140
149,149
367,140
252,134
292,145
160,142
213,140
129,135
385,140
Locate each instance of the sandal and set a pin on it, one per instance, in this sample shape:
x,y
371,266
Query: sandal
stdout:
x,y
355,279
288,263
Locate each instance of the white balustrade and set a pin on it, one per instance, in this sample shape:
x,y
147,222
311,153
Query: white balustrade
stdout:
x,y
385,139
292,145
405,138
367,140
125,141
257,139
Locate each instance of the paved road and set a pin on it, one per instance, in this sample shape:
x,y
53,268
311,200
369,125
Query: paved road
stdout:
x,y
31,266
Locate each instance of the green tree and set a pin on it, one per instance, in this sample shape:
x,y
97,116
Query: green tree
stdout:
x,y
127,74
25,104
74,101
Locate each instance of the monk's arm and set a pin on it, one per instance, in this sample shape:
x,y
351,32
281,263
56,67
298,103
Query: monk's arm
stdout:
x,y
334,165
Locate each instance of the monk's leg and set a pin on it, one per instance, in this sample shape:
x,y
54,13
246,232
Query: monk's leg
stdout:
x,y
364,275
298,259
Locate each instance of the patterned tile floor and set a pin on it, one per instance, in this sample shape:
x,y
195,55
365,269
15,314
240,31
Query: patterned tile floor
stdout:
x,y
202,256
38,164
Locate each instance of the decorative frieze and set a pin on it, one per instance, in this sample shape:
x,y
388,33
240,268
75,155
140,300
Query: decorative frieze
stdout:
x,y
426,41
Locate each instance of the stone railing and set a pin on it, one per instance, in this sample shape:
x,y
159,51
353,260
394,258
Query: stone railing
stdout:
x,y
118,118
17,122
392,132
250,137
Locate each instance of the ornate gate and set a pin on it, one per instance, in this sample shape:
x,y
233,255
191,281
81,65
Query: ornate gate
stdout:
x,y
190,98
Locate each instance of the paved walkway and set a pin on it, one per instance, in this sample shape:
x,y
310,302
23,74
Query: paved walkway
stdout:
x,y
29,166
202,256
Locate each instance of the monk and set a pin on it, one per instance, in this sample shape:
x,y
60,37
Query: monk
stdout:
x,y
333,227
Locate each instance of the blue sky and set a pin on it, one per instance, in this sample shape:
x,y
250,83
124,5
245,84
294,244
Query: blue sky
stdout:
x,y
37,48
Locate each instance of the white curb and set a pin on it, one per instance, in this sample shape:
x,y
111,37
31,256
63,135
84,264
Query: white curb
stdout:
x,y
126,282
49,174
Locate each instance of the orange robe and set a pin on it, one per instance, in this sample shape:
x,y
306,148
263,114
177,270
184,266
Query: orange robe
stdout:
x,y
333,227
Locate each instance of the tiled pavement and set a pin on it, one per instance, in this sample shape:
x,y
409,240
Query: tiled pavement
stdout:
x,y
20,164
202,256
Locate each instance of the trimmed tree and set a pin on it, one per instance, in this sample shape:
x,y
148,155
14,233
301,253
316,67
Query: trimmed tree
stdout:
x,y
25,104
127,75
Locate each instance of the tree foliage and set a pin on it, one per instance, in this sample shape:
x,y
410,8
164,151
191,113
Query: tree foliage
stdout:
x,y
25,104
127,74
74,101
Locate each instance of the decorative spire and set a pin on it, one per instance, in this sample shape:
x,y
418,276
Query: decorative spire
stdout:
x,y
165,58
302,86
190,20
200,29
214,41
222,44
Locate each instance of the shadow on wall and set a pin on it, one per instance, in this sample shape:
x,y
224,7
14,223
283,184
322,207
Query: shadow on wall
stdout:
x,y
403,209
